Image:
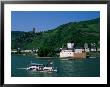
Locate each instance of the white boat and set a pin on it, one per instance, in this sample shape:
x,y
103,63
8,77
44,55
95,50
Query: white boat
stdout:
x,y
41,68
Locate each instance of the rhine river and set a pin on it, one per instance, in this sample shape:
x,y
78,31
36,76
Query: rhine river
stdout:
x,y
89,67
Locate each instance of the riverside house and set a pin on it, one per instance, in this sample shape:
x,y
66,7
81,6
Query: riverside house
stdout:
x,y
15,51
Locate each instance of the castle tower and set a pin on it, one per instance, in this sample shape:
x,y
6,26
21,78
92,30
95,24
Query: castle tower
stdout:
x,y
34,30
70,45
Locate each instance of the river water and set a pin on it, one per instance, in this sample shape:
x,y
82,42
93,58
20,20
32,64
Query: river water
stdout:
x,y
89,67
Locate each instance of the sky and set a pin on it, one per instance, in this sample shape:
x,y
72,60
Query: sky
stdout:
x,y
47,20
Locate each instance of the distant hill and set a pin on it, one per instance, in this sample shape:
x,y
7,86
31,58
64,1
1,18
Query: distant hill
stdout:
x,y
77,32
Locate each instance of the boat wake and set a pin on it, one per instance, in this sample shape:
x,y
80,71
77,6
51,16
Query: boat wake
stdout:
x,y
22,68
35,67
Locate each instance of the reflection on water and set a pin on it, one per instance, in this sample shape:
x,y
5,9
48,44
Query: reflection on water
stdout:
x,y
41,74
66,68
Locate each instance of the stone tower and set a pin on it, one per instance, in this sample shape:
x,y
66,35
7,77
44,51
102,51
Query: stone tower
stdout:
x,y
34,30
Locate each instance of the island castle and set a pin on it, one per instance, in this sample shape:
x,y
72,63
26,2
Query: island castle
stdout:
x,y
71,52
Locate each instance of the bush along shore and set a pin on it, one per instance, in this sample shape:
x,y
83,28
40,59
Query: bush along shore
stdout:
x,y
90,55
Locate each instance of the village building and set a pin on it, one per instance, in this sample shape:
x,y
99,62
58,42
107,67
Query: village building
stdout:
x,y
26,51
29,51
86,48
14,51
93,47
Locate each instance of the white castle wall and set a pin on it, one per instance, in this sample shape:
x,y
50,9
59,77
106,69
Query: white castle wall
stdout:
x,y
66,54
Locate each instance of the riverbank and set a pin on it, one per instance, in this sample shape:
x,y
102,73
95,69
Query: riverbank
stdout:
x,y
91,54
30,55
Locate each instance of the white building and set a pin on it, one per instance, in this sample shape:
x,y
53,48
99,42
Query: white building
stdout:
x,y
66,53
93,49
87,50
13,51
26,51
29,51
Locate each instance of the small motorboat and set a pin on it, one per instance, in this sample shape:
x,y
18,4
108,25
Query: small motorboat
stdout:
x,y
41,68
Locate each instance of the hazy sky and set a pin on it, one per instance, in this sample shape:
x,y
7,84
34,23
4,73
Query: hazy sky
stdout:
x,y
46,20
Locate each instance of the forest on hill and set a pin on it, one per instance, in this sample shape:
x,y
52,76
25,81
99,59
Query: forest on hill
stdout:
x,y
48,42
